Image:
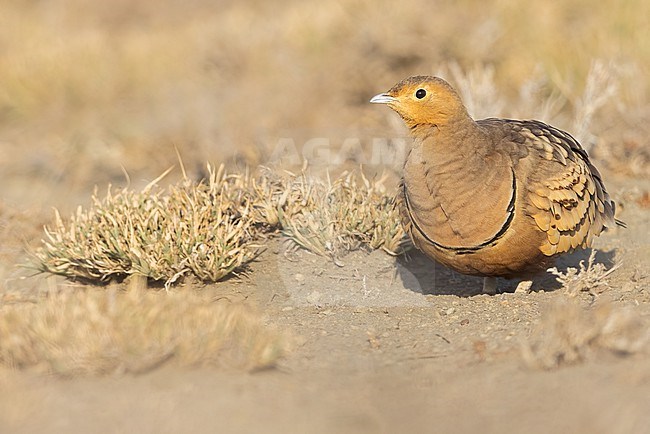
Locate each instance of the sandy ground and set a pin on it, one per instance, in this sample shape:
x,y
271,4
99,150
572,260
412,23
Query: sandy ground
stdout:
x,y
379,345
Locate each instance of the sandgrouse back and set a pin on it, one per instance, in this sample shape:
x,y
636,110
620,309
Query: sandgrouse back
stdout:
x,y
493,197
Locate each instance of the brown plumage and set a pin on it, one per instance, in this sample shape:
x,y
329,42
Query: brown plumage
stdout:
x,y
494,197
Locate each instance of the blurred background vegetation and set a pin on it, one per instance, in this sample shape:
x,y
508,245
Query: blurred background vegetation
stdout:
x,y
90,89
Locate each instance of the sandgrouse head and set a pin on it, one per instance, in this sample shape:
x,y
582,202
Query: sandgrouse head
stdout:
x,y
424,100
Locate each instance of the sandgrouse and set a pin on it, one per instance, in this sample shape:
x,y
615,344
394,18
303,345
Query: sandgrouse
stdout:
x,y
494,197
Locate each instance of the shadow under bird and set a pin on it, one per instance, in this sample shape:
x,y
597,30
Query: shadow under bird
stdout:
x,y
492,197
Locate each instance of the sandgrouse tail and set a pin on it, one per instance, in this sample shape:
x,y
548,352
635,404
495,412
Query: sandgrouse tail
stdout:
x,y
494,197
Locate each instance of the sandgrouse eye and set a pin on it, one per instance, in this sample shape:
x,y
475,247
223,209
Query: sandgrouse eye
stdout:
x,y
420,93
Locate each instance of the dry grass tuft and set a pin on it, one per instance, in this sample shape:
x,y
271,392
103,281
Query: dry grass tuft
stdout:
x,y
106,332
199,228
331,218
478,90
211,229
569,334
591,278
601,86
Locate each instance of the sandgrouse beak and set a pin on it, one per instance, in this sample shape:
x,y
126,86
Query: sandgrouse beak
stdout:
x,y
383,98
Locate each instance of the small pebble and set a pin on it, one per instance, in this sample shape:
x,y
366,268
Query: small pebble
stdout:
x,y
314,297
